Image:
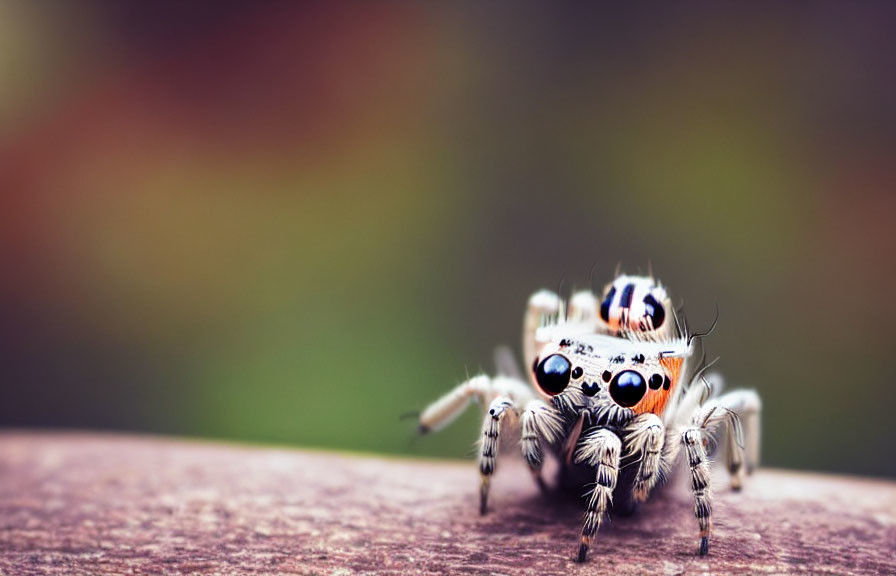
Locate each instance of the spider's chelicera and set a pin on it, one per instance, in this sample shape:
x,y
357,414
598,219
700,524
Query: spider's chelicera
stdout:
x,y
613,385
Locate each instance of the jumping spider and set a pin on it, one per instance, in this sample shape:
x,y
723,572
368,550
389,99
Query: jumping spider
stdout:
x,y
616,382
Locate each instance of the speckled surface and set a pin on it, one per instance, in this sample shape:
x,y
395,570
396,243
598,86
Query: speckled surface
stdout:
x,y
106,504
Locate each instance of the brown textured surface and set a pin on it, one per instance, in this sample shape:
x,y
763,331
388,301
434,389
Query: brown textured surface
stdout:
x,y
104,504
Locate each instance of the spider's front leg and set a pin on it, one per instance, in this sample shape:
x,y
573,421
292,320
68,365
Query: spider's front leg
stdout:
x,y
480,388
644,439
504,395
600,449
488,453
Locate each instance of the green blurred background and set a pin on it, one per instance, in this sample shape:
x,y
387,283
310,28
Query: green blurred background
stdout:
x,y
291,223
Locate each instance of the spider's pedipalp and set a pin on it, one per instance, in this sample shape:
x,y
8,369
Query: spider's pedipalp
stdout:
x,y
539,422
644,438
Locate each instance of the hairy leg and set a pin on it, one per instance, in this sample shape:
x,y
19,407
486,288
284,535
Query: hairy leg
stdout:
x,y
488,445
644,439
504,395
539,422
480,388
601,449
693,441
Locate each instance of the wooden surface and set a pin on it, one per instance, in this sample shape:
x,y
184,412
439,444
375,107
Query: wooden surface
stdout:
x,y
106,504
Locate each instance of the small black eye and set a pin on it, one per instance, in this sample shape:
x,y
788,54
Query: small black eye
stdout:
x,y
577,372
606,375
656,381
654,310
552,374
605,305
666,383
627,388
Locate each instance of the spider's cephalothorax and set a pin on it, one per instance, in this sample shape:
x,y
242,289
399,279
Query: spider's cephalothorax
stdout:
x,y
612,384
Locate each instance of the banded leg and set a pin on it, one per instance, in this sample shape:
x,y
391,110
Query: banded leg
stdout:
x,y
538,422
601,449
488,454
644,439
692,438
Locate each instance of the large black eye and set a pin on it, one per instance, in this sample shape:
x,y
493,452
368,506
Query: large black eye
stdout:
x,y
655,310
605,305
552,374
627,388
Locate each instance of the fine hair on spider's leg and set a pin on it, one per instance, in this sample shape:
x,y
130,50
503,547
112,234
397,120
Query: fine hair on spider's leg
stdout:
x,y
692,438
449,406
480,388
601,449
712,327
505,395
644,438
489,442
538,422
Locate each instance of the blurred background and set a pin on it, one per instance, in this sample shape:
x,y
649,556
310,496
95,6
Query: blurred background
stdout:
x,y
291,223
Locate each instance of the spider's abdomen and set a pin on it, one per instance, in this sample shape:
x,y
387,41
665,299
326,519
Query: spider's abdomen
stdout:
x,y
636,304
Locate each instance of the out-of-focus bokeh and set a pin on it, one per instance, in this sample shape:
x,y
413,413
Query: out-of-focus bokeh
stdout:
x,y
291,223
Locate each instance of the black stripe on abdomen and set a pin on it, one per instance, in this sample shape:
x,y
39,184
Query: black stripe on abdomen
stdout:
x,y
625,301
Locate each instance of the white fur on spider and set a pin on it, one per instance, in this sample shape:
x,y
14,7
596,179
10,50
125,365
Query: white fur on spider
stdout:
x,y
600,449
573,356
